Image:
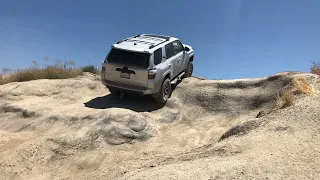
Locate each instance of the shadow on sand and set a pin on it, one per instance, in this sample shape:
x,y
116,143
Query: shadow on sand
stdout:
x,y
132,102
135,103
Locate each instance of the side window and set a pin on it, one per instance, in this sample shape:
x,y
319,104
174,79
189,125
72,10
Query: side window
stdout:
x,y
157,56
177,47
169,50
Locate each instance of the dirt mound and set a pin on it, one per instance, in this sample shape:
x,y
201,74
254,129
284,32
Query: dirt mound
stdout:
x,y
233,96
207,129
120,126
114,126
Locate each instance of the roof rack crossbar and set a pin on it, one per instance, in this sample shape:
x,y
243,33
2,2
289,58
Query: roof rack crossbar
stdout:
x,y
158,36
153,38
145,39
152,46
138,41
138,35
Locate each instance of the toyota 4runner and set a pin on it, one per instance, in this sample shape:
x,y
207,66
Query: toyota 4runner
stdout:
x,y
147,64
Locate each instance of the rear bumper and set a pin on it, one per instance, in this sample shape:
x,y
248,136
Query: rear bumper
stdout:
x,y
127,88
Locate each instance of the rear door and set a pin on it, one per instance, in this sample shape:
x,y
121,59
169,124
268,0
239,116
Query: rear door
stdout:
x,y
172,58
127,67
179,54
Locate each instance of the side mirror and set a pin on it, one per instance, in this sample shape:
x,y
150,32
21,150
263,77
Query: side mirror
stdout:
x,y
186,49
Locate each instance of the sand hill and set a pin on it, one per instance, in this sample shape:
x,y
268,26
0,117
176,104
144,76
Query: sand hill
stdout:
x,y
209,129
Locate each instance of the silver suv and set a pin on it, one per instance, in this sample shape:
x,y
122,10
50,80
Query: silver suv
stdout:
x,y
147,64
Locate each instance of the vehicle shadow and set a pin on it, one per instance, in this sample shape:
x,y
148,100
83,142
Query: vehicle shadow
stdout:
x,y
132,102
135,103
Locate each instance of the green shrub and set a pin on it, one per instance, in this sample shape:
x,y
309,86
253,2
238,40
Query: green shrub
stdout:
x,y
90,68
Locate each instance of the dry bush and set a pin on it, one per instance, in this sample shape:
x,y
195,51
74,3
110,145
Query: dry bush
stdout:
x,y
1,79
315,68
4,79
303,86
34,74
285,100
60,70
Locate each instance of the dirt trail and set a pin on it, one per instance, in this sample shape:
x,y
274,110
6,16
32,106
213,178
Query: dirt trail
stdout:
x,y
74,129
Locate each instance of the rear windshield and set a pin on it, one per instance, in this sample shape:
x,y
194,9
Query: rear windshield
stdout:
x,y
128,58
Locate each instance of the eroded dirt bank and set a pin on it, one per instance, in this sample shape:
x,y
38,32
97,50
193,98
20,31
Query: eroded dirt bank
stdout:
x,y
209,129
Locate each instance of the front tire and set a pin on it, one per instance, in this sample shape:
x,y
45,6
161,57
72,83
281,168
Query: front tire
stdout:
x,y
165,92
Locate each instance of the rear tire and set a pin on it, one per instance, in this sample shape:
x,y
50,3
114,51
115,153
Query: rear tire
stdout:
x,y
189,70
165,91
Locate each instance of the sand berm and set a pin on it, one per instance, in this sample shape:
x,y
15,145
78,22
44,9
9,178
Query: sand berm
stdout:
x,y
209,129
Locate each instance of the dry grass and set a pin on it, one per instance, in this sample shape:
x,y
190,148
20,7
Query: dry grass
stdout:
x,y
315,68
34,74
59,70
4,79
285,100
1,78
302,86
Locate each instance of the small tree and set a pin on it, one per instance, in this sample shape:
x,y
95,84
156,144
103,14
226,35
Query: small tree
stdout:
x,y
71,64
35,64
46,60
58,64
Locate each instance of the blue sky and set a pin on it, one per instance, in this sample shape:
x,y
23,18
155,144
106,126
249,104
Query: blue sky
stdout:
x,y
231,38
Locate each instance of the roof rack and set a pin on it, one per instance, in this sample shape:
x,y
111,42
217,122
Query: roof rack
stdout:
x,y
158,36
147,36
138,35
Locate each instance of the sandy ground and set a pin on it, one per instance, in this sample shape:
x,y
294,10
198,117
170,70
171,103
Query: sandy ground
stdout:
x,y
74,129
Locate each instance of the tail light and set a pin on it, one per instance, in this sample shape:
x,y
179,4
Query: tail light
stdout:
x,y
103,65
152,74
